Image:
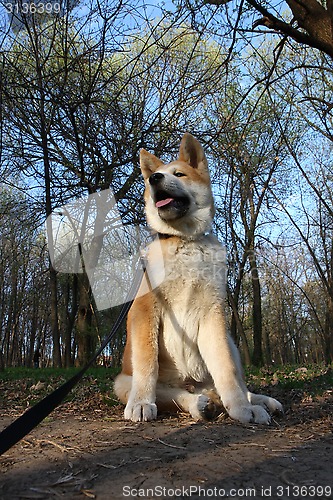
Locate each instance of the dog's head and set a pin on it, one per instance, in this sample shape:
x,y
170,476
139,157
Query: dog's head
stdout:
x,y
178,195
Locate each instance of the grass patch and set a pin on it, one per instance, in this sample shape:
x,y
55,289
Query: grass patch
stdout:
x,y
48,374
27,386
312,379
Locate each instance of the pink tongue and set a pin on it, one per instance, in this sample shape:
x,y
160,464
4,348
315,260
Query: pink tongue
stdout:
x,y
162,203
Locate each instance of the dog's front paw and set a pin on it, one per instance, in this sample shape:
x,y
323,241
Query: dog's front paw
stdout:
x,y
272,405
250,414
140,411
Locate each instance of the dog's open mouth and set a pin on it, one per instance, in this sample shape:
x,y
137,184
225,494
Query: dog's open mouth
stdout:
x,y
164,200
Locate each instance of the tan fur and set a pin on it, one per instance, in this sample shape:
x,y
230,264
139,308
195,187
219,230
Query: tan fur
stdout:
x,y
178,353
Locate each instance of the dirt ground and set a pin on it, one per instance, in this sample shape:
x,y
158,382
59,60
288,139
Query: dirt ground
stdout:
x,y
87,450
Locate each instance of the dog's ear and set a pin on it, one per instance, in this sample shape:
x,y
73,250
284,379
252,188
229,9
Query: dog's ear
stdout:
x,y
191,152
148,163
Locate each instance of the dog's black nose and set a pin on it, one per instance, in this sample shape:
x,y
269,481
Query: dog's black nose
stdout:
x,y
155,178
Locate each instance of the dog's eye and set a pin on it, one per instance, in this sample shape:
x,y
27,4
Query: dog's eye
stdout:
x,y
179,174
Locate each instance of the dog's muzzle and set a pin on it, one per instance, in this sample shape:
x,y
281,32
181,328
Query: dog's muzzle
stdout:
x,y
171,203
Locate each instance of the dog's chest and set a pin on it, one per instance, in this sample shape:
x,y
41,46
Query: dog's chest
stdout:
x,y
194,282
193,265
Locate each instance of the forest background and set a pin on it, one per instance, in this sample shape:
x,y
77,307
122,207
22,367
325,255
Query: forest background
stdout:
x,y
85,87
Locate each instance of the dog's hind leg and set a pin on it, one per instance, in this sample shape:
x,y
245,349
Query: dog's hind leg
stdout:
x,y
200,405
122,386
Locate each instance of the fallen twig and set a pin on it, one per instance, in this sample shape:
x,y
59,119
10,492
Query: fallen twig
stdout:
x,y
171,445
140,459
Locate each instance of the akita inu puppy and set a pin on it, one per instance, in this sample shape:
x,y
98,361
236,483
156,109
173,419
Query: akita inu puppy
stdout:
x,y
178,353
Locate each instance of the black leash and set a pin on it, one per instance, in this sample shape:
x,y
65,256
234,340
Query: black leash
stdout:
x,y
32,417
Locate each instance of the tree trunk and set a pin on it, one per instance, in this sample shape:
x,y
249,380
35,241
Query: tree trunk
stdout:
x,y
85,334
52,272
267,346
69,322
328,332
54,318
257,356
238,327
